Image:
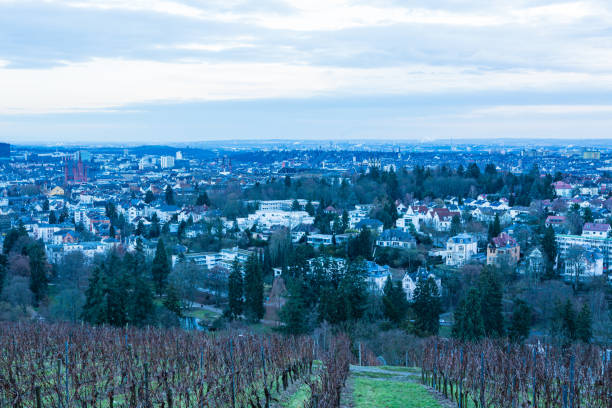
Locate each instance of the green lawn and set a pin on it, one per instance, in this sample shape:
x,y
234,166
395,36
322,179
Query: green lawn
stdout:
x,y
373,393
299,399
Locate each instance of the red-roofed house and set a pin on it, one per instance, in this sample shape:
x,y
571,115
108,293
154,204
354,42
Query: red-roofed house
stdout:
x,y
441,218
591,229
503,250
562,189
555,220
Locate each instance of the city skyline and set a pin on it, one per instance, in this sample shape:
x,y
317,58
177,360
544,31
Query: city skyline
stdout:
x,y
187,71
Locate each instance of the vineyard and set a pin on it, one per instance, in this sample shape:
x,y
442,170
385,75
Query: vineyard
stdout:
x,y
492,374
73,366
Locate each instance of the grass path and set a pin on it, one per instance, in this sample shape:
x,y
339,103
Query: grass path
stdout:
x,y
389,387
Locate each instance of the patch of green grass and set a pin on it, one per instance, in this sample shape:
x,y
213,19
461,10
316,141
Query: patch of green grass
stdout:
x,y
374,375
201,314
371,393
299,398
401,369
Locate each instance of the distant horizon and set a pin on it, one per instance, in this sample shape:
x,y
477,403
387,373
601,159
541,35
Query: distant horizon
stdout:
x,y
134,71
265,143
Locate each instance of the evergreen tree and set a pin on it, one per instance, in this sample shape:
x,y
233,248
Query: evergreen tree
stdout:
x,y
155,229
149,197
169,195
455,228
588,215
491,303
117,294
140,228
584,324
345,221
309,208
52,218
295,314
181,230
173,301
395,304
549,248
94,310
473,171
203,199
235,291
45,206
468,324
520,321
160,268
253,290
11,239
38,271
295,205
427,307
140,303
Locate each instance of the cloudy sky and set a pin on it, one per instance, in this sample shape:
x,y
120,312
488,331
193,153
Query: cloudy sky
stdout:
x,y
166,71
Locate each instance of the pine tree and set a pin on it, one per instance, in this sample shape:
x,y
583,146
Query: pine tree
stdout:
x,y
584,324
549,248
203,199
52,218
160,268
94,310
295,314
395,304
309,208
520,321
468,324
235,291
455,225
149,197
253,290
169,195
172,301
345,221
491,303
427,306
38,271
140,304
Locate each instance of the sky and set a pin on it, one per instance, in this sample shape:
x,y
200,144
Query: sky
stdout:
x,y
180,71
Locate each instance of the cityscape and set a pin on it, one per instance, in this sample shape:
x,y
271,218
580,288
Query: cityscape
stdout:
x,y
305,204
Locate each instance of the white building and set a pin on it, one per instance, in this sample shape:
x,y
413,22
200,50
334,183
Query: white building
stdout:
x,y
460,249
166,162
595,230
604,245
269,218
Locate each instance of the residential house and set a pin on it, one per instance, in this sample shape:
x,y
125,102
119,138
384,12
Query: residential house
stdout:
x,y
460,249
396,238
503,250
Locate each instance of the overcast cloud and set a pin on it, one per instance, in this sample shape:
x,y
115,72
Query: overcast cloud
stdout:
x,y
171,71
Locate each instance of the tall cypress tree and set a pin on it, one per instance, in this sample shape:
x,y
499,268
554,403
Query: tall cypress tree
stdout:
x,y
584,324
235,291
427,306
395,304
468,324
38,270
491,303
549,248
169,195
520,322
253,289
295,314
160,268
94,310
140,306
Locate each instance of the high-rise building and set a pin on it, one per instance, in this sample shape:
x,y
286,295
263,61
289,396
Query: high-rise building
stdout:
x,y
167,162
